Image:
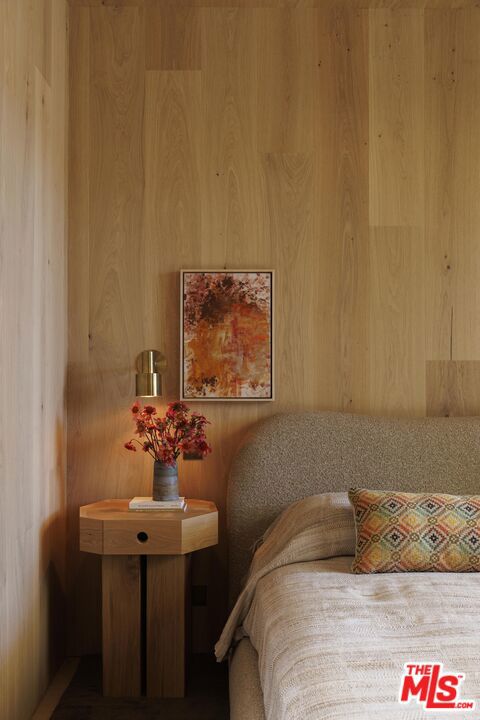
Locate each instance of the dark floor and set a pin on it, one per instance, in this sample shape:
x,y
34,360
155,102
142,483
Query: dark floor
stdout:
x,y
207,696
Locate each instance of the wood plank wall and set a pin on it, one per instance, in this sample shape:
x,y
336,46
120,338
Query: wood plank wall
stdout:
x,y
335,141
33,348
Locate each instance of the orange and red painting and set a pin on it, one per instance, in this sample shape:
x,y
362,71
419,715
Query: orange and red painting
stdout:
x,y
227,334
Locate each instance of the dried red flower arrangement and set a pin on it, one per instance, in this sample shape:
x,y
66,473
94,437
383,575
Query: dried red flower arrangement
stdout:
x,y
165,438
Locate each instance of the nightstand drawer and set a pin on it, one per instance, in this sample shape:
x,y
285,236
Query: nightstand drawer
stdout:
x,y
142,537
146,536
109,528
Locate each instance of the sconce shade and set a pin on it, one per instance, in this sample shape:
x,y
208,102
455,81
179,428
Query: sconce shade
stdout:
x,y
148,381
148,385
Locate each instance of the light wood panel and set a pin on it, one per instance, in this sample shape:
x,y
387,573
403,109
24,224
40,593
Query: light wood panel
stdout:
x,y
86,578
107,326
246,134
397,322
440,119
289,223
33,107
173,38
396,117
466,340
453,388
231,204
167,625
121,608
452,213
287,72
339,270
321,4
173,105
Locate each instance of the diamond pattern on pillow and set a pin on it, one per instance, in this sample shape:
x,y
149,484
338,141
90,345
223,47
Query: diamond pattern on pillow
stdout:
x,y
410,532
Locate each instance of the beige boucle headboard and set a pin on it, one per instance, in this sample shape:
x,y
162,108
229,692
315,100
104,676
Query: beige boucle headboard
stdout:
x,y
291,456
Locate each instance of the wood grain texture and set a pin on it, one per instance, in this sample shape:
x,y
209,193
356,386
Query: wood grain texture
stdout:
x,y
441,53
340,265
466,341
33,321
84,577
287,72
173,106
396,117
245,134
121,611
453,388
289,223
43,38
173,37
452,213
108,326
166,625
323,4
231,211
397,323
78,201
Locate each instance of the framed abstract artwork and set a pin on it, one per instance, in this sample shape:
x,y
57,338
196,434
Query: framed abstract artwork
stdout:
x,y
226,335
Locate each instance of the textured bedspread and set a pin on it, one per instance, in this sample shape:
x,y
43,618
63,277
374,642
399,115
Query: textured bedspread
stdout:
x,y
332,645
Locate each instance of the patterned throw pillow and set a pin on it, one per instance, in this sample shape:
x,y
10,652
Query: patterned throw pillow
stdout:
x,y
407,532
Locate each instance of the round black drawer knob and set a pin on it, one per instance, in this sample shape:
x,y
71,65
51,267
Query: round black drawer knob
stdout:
x,y
142,537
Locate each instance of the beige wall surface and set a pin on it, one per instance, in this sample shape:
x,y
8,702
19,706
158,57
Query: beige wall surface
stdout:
x,y
336,142
33,348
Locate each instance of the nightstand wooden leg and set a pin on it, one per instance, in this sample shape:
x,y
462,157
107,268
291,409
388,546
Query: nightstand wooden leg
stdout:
x,y
121,612
167,582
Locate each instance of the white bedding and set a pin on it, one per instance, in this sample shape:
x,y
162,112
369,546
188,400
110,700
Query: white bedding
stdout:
x,y
332,645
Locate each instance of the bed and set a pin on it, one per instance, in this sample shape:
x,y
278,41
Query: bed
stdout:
x,y
293,456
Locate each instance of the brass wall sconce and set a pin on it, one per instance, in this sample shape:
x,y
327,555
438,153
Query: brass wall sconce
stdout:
x,y
150,365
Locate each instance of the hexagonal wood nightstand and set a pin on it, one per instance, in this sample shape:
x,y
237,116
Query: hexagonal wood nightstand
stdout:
x,y
145,563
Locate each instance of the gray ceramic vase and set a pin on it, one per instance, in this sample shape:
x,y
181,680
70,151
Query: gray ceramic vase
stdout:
x,y
165,481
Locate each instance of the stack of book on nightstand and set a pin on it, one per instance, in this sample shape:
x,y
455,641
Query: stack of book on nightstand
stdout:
x,y
146,503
